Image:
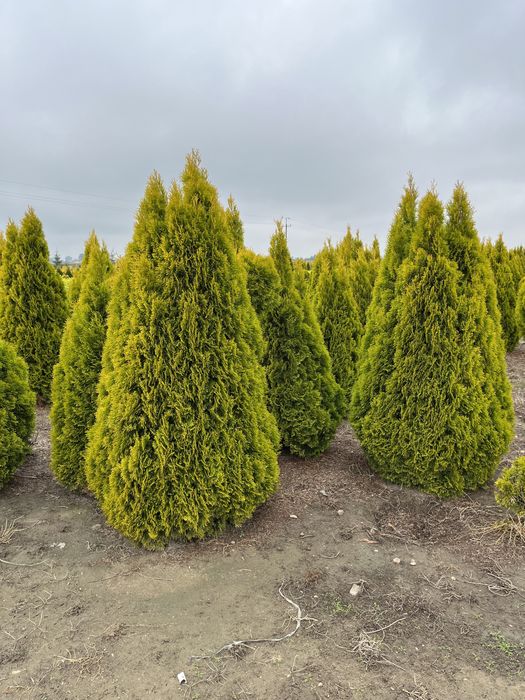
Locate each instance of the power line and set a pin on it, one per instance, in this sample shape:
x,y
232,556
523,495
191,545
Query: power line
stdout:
x,y
57,189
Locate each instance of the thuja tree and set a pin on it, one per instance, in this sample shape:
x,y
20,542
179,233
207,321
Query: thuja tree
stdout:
x,y
75,377
303,394
182,443
432,425
520,309
17,411
479,323
376,351
506,292
234,222
361,264
33,305
339,319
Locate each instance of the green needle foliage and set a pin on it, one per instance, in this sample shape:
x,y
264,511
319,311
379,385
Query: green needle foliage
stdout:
x,y
75,377
233,220
376,352
510,487
361,263
303,394
2,246
33,305
479,316
339,319
442,418
183,443
520,309
506,292
17,411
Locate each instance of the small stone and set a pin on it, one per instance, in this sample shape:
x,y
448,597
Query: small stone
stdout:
x,y
396,560
412,562
294,517
96,527
323,492
340,511
356,589
319,685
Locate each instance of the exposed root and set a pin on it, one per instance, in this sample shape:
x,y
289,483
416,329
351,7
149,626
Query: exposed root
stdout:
x,y
240,646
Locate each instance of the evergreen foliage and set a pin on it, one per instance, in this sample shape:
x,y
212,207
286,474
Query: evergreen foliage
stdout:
x,y
303,394
339,319
17,411
2,246
75,284
478,288
182,443
506,292
361,264
75,376
33,306
510,487
517,263
443,416
376,352
520,309
233,220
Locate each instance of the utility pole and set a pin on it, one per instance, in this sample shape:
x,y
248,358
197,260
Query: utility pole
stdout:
x,y
286,225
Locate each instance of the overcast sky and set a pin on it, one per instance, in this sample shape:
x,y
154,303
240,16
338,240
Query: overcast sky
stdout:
x,y
307,109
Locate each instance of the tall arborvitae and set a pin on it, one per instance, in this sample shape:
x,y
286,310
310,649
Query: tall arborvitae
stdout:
x,y
339,319
506,292
33,305
376,353
183,443
361,263
438,422
233,220
479,322
520,309
303,394
17,411
75,285
517,264
75,377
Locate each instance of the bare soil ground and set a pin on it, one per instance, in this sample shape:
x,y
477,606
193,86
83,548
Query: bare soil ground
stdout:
x,y
86,614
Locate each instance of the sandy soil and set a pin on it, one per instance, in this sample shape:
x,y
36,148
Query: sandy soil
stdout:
x,y
85,614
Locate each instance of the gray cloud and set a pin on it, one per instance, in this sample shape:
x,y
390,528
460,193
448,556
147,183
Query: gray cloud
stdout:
x,y
312,110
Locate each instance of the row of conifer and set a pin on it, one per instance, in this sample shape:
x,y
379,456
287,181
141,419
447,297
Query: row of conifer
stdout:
x,y
181,370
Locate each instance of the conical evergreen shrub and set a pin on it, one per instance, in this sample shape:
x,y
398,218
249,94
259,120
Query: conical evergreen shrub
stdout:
x,y
437,423
339,319
376,352
76,375
303,394
75,284
33,305
361,264
510,487
506,292
520,309
183,443
479,315
233,220
17,411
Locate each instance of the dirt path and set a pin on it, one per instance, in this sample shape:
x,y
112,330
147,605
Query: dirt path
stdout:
x,y
85,614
